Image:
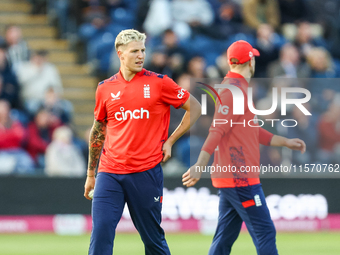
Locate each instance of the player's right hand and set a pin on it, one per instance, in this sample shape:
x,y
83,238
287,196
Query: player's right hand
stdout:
x,y
89,185
192,176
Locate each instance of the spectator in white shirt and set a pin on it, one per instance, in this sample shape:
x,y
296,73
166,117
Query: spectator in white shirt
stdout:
x,y
36,77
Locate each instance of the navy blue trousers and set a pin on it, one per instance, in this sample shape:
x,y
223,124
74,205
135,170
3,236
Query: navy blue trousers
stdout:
x,y
246,204
143,194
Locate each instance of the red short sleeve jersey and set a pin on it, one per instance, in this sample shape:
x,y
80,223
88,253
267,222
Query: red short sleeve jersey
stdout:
x,y
237,138
138,115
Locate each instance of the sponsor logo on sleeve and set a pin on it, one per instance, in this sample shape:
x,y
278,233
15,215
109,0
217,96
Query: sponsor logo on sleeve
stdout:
x,y
181,93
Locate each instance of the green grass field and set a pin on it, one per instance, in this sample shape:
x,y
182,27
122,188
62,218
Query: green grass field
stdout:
x,y
180,244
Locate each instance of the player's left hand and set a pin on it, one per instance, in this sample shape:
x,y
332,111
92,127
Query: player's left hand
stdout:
x,y
296,144
166,151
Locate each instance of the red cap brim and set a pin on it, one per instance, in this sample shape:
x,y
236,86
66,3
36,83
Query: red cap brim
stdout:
x,y
256,52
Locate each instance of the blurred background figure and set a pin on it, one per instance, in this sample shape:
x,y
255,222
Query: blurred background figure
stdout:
x,y
9,87
321,63
38,6
17,49
39,135
268,44
289,64
306,130
189,15
14,160
257,12
159,61
292,11
36,77
305,40
329,133
62,157
196,67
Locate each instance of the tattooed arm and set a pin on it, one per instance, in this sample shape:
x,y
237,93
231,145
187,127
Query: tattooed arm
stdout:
x,y
97,138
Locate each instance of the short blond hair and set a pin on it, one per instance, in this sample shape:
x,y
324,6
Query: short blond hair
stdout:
x,y
129,35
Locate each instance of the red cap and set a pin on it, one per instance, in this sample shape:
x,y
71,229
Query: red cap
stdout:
x,y
242,51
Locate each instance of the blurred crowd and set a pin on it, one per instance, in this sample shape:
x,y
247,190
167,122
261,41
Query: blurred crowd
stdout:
x,y
187,40
36,135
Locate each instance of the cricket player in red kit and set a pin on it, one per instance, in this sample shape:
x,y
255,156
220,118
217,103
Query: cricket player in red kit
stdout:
x,y
236,144
132,116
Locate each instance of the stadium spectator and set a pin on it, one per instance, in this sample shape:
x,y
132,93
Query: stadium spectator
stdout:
x,y
268,44
321,63
329,133
196,67
305,40
38,6
181,16
60,109
159,61
191,14
292,11
95,27
228,21
36,77
256,12
12,132
12,157
269,155
17,49
307,131
59,14
158,17
322,66
62,157
39,135
222,65
175,52
9,87
289,64
171,43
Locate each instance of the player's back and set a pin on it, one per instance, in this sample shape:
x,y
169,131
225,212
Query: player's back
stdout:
x,y
239,146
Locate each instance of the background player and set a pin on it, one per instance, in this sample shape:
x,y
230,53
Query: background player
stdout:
x,y
241,195
132,115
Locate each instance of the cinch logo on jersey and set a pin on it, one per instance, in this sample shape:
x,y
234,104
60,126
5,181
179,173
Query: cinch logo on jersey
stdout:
x,y
132,114
147,91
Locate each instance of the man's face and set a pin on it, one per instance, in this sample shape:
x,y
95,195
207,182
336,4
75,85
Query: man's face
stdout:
x,y
132,56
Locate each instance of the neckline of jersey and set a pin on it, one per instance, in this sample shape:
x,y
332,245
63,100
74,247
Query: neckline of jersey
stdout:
x,y
234,75
121,78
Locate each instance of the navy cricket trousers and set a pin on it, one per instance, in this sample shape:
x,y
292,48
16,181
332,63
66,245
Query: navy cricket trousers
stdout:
x,y
246,204
143,194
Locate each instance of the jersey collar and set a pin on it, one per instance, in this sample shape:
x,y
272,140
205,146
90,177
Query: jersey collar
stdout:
x,y
121,78
239,79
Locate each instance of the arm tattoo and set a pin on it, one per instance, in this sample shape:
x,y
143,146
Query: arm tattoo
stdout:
x,y
97,138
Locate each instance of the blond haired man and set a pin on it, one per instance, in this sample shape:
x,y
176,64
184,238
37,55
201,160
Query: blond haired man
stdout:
x,y
132,116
